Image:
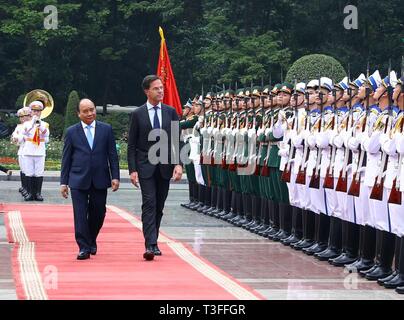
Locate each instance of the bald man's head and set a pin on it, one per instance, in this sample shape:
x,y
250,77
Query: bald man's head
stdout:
x,y
86,111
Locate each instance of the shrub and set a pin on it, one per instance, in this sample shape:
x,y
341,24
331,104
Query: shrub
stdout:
x,y
19,102
56,125
71,113
119,123
313,66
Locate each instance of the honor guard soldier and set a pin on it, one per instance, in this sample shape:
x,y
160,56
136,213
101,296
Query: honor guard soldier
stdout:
x,y
293,160
35,136
186,125
369,112
377,158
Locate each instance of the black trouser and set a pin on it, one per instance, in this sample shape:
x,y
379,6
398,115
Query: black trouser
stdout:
x,y
89,214
154,194
4,169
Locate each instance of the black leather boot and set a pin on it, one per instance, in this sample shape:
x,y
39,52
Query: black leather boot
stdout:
x,y
275,221
264,217
296,232
226,203
30,189
190,195
213,201
207,198
285,219
272,229
384,258
233,207
396,279
350,242
217,201
22,182
256,211
322,225
38,188
200,197
246,209
334,241
308,220
239,213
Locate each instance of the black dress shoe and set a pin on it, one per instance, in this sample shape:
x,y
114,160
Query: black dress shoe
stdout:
x,y
83,255
400,290
149,254
93,251
156,250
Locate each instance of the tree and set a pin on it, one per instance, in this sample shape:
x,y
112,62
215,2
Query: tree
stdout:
x,y
71,113
315,66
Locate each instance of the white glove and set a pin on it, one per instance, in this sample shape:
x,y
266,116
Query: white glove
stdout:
x,y
311,141
322,140
353,144
389,147
284,152
338,141
297,141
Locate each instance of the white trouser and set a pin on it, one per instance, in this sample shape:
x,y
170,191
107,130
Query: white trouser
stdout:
x,y
318,198
21,163
294,198
198,174
379,212
304,196
362,207
34,166
396,214
332,202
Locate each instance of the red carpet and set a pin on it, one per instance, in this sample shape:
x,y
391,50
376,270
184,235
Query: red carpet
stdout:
x,y
45,265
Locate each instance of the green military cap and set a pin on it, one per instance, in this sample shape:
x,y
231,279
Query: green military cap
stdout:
x,y
247,91
209,95
229,93
276,88
240,93
256,91
266,90
286,88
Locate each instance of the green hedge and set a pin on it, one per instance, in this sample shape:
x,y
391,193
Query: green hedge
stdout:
x,y
314,66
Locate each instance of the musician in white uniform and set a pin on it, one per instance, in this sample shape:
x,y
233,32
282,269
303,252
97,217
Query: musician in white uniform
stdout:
x,y
35,136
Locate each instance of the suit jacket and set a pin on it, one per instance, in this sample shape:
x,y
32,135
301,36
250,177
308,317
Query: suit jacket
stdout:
x,y
83,166
139,146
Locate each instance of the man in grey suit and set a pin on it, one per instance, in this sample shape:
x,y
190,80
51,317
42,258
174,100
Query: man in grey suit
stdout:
x,y
148,168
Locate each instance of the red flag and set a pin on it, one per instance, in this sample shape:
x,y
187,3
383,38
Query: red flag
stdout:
x,y
164,71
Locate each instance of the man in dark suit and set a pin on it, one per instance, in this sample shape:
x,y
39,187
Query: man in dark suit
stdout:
x,y
153,159
90,166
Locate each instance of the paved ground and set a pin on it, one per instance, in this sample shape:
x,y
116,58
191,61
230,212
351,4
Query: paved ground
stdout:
x,y
276,271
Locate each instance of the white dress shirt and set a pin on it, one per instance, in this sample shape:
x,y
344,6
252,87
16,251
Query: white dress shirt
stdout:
x,y
150,109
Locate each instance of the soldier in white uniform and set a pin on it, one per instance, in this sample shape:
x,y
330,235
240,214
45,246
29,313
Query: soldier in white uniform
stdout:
x,y
389,144
350,229
17,138
399,223
367,237
336,158
35,136
293,157
379,209
300,143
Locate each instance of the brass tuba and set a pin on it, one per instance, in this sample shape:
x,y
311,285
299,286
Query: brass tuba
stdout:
x,y
44,97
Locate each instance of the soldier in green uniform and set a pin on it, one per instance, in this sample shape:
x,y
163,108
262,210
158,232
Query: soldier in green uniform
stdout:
x,y
279,135
204,189
268,168
190,118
